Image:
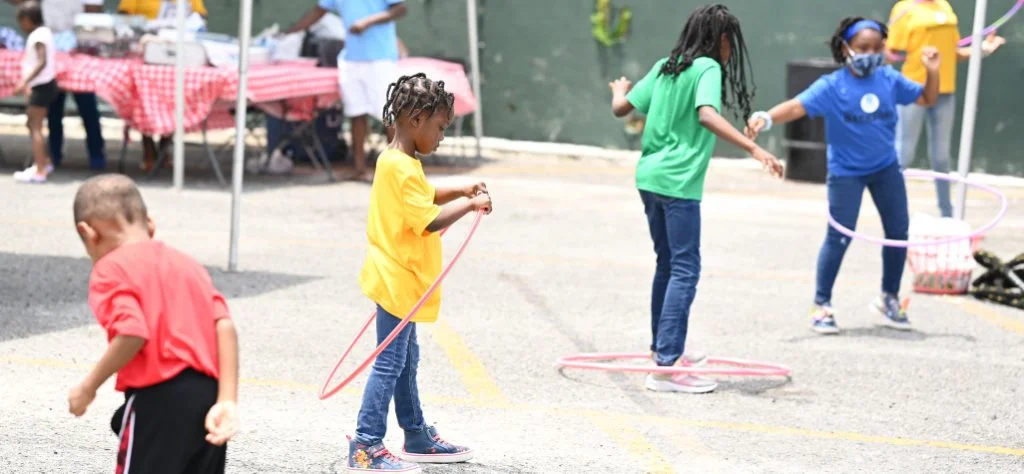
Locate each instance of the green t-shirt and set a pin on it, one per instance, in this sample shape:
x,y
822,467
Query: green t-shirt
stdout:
x,y
676,148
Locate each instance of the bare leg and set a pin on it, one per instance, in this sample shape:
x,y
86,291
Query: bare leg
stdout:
x,y
360,129
148,152
40,154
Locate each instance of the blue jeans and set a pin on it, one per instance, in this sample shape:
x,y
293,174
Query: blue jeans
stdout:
x,y
940,134
89,110
393,374
889,192
675,230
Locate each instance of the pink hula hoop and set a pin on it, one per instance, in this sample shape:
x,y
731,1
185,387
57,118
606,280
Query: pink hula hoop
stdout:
x,y
326,393
907,244
737,367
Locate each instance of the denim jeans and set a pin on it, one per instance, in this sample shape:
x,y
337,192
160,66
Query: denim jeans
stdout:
x,y
889,192
675,230
940,134
89,110
393,374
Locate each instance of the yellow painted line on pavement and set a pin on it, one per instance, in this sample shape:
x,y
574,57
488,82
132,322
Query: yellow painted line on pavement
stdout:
x,y
627,418
478,382
982,311
626,436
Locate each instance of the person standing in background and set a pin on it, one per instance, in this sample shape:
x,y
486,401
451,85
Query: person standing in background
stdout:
x,y
59,16
366,66
914,26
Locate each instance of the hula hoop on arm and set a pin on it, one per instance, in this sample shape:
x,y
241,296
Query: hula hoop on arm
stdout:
x,y
326,393
957,238
967,41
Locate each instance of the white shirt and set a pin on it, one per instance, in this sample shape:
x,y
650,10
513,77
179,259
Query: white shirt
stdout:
x,y
30,60
59,15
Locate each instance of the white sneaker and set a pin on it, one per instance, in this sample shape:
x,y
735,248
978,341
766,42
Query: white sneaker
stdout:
x,y
31,175
679,383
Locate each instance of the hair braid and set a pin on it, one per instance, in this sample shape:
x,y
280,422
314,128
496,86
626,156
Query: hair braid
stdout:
x,y
415,94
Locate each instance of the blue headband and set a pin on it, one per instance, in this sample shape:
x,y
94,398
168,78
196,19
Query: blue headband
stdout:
x,y
861,26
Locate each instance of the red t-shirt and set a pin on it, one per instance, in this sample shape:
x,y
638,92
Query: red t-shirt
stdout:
x,y
155,292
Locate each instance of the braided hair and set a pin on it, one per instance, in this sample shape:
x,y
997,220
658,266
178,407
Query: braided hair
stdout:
x,y
702,36
412,95
838,41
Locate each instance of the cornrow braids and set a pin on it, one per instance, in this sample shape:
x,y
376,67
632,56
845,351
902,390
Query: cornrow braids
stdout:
x,y
412,95
702,36
837,43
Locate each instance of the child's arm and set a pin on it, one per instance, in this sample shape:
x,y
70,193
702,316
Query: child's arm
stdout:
x,y
713,121
446,195
621,106
451,213
989,46
222,419
122,349
41,54
787,111
930,57
393,13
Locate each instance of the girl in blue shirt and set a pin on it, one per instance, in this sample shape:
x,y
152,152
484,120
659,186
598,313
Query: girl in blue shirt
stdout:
x,y
858,103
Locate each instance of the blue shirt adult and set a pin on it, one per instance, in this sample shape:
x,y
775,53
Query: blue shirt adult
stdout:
x,y
378,42
860,117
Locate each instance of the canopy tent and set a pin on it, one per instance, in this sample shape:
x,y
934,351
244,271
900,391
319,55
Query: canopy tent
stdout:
x,y
244,36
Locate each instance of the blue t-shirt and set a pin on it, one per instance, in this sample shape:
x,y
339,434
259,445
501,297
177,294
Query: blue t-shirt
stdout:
x,y
860,117
378,42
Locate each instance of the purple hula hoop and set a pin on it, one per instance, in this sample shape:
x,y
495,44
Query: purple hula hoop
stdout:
x,y
906,243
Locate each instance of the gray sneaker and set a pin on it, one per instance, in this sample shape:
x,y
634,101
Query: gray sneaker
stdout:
x,y
895,316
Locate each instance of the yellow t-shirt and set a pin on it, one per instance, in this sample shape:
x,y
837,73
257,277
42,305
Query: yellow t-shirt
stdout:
x,y
151,8
914,25
403,258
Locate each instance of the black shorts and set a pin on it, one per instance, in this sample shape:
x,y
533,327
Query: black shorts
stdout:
x,y
162,428
43,94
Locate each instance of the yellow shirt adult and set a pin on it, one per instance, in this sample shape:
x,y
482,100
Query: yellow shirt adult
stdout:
x,y
403,258
151,8
914,24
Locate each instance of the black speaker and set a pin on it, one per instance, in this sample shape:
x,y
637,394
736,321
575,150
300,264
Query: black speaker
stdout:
x,y
806,157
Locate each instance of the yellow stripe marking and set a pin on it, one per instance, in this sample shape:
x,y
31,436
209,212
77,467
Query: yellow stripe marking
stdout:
x,y
621,431
474,375
982,311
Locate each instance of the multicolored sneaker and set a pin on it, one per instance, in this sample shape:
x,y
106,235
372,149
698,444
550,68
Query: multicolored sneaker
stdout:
x,y
679,383
376,458
823,319
894,313
427,446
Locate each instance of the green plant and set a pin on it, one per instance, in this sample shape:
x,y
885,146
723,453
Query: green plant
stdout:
x,y
601,22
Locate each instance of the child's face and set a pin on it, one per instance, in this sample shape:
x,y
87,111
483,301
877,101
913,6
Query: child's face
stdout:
x,y
726,51
430,132
25,24
867,41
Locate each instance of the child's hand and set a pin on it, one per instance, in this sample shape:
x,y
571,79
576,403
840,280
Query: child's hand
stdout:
x,y
753,128
79,399
620,85
19,90
930,58
481,201
473,189
770,163
992,43
359,27
221,423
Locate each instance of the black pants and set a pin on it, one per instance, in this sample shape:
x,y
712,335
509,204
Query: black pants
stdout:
x,y
162,428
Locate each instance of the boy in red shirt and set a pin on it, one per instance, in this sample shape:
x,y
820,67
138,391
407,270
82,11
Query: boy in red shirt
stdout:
x,y
172,342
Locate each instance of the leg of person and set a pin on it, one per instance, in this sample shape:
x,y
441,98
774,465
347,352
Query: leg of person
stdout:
x,y
40,155
940,136
682,227
366,452
844,197
89,110
889,192
908,131
356,100
381,75
662,270
422,442
55,122
161,428
148,153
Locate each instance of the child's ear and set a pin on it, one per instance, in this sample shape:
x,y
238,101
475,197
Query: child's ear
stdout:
x,y
86,232
151,227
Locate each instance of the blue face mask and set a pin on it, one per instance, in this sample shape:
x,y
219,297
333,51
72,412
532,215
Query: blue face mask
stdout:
x,y
864,63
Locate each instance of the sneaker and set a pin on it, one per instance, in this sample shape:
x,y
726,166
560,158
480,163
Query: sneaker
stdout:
x,y
376,458
679,383
823,319
427,446
890,308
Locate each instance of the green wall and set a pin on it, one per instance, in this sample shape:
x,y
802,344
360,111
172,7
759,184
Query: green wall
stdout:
x,y
545,77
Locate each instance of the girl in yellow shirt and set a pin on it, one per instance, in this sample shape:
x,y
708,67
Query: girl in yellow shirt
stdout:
x,y
915,25
152,9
